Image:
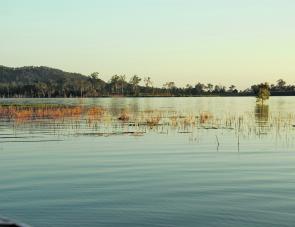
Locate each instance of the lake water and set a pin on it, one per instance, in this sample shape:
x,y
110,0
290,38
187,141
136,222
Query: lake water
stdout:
x,y
171,162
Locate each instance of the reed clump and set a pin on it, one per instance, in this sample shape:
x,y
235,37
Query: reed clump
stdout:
x,y
124,116
25,113
95,113
205,117
153,121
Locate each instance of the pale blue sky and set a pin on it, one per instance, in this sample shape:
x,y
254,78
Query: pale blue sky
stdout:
x,y
220,41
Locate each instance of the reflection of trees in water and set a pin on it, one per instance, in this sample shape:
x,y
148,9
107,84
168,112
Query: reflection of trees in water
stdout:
x,y
134,105
117,105
262,118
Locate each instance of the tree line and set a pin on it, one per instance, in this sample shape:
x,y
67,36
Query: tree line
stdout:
x,y
45,82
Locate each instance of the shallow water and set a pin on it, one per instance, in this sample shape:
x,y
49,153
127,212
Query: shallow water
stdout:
x,y
215,173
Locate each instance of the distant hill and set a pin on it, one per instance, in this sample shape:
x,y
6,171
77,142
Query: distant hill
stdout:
x,y
32,81
32,74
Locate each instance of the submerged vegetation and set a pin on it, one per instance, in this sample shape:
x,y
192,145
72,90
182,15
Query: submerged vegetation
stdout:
x,y
44,82
25,113
98,121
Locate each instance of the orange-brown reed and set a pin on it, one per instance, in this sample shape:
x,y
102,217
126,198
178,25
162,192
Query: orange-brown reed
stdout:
x,y
26,113
124,116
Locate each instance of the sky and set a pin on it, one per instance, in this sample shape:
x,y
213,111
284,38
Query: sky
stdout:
x,y
226,42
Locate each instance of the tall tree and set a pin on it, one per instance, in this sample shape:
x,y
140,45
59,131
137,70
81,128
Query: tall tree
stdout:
x,y
134,81
94,80
170,86
148,82
232,88
115,81
209,87
281,84
122,81
263,93
42,89
199,88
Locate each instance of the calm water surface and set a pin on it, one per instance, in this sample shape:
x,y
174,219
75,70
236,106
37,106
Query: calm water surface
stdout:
x,y
236,168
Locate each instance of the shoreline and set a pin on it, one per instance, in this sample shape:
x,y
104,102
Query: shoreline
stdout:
x,y
198,96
